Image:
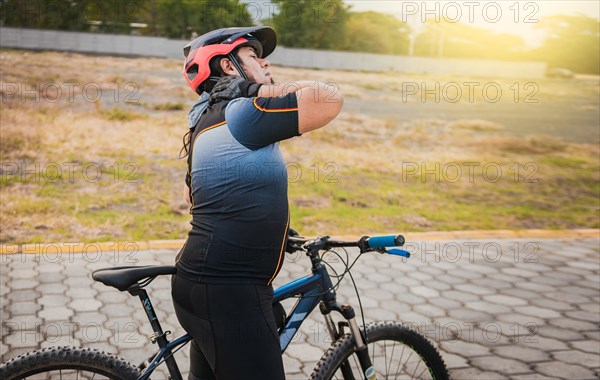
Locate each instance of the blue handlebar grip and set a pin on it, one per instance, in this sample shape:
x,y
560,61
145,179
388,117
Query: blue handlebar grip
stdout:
x,y
399,252
382,241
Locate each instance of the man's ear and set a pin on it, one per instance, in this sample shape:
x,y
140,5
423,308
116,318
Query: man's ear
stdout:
x,y
228,67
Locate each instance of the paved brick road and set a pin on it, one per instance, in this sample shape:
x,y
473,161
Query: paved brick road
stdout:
x,y
519,309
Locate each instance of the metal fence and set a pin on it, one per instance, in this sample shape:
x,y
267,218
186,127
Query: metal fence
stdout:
x,y
96,43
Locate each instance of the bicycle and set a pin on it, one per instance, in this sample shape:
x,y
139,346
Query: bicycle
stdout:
x,y
356,354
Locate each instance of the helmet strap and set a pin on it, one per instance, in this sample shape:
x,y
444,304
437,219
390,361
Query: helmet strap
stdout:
x,y
237,65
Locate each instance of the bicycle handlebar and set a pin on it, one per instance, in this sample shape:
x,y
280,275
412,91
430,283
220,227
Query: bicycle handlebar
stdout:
x,y
384,241
366,243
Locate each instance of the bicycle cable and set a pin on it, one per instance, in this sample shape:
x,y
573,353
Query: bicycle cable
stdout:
x,y
349,272
339,278
172,353
362,313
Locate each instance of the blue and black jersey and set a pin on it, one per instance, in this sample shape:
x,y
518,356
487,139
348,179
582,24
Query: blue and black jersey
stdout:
x,y
238,187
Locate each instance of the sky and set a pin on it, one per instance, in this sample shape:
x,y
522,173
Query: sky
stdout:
x,y
503,16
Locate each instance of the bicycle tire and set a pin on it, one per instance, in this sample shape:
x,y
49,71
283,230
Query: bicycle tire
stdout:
x,y
59,360
394,332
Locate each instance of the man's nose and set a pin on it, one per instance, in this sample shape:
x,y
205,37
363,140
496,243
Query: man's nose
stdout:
x,y
264,63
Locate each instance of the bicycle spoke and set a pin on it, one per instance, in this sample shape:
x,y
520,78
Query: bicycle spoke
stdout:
x,y
415,371
387,366
422,372
385,355
387,369
404,365
400,361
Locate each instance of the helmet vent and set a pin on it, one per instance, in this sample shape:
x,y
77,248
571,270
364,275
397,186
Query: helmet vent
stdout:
x,y
192,71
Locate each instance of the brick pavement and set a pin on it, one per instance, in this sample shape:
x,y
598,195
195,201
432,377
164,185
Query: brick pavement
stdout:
x,y
503,308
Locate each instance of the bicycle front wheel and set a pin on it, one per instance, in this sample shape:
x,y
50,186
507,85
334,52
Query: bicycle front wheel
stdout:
x,y
396,351
67,363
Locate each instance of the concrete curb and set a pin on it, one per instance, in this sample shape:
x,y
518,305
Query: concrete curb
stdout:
x,y
94,248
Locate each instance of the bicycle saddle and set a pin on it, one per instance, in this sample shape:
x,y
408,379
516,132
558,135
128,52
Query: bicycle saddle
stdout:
x,y
123,277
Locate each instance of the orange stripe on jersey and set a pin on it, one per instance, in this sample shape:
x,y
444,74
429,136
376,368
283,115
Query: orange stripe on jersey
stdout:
x,y
281,251
273,110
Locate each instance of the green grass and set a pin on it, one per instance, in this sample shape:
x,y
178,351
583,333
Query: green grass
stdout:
x,y
361,202
507,204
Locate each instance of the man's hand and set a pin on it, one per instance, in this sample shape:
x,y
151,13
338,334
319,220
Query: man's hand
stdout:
x,y
232,87
291,247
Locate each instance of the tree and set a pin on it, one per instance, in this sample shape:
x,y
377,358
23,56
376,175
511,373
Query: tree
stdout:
x,y
80,15
181,18
375,32
311,23
573,42
458,40
170,18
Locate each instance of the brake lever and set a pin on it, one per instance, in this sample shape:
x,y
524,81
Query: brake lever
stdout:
x,y
399,252
392,251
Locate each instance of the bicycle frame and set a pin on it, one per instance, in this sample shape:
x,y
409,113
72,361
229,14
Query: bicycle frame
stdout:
x,y
312,291
311,288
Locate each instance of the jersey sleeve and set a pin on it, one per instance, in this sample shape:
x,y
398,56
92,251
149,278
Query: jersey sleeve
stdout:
x,y
258,122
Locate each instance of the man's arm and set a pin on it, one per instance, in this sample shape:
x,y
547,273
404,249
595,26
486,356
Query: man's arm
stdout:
x,y
274,90
318,103
317,106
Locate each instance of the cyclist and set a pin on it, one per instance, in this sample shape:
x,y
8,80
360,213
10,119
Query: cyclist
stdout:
x,y
237,188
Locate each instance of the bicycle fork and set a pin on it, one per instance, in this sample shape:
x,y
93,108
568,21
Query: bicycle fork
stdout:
x,y
360,347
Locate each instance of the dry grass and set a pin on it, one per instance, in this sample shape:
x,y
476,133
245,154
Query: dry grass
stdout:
x,y
360,186
475,125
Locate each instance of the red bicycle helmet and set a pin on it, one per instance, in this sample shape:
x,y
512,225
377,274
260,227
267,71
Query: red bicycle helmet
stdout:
x,y
200,51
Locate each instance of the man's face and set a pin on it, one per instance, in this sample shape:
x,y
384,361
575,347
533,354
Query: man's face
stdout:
x,y
257,69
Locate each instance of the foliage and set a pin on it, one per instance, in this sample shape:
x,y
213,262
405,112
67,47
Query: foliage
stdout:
x,y
573,43
169,18
311,23
375,32
81,15
456,40
182,18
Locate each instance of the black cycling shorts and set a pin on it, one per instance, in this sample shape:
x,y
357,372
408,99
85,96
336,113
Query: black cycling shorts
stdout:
x,y
233,330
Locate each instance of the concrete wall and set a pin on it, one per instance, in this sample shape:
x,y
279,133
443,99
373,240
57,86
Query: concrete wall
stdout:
x,y
163,47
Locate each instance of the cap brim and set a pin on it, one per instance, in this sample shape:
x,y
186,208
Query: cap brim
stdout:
x,y
267,39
